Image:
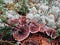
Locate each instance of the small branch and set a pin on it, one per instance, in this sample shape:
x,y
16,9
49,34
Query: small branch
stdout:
x,y
9,42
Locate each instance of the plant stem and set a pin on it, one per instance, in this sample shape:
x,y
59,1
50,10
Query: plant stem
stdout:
x,y
9,42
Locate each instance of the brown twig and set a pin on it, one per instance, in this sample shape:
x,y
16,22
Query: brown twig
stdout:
x,y
9,42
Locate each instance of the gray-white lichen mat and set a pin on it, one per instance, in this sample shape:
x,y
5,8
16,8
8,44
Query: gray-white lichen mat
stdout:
x,y
40,14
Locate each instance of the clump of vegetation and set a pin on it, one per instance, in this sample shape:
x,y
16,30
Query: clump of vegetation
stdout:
x,y
24,8
58,32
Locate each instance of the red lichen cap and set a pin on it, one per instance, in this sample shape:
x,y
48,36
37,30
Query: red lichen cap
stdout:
x,y
21,33
34,27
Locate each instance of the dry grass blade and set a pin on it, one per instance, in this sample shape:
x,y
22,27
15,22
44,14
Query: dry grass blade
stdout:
x,y
9,42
